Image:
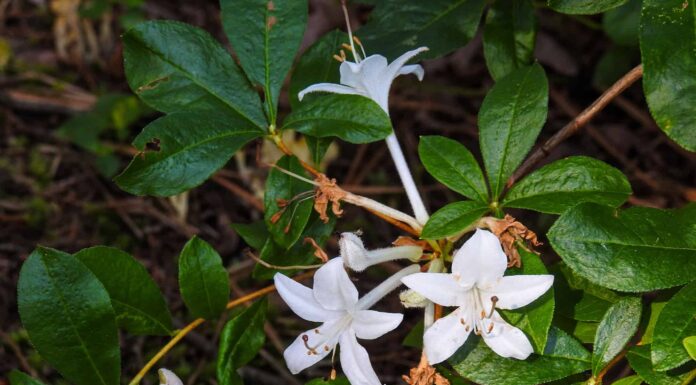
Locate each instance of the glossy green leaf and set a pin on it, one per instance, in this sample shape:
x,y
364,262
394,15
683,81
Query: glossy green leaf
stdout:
x,y
287,223
353,118
68,316
584,7
266,35
397,26
535,318
563,357
20,378
414,338
301,253
676,322
453,165
622,23
139,305
203,280
254,234
639,358
615,330
578,304
173,66
180,151
564,183
509,36
634,250
510,118
317,65
690,346
585,331
452,219
667,40
241,339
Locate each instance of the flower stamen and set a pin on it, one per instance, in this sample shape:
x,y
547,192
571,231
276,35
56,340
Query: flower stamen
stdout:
x,y
350,31
310,350
359,43
494,300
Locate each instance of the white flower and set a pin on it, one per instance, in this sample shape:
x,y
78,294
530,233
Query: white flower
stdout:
x,y
371,77
477,286
167,377
334,302
357,258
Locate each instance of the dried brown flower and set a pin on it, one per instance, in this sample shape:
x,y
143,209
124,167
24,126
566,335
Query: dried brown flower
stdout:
x,y
424,374
328,192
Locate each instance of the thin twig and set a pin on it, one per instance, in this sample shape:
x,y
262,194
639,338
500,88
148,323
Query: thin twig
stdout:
x,y
576,124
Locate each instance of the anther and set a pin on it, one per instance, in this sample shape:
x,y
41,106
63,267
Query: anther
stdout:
x,y
343,55
461,321
483,314
316,331
338,58
310,350
490,328
494,300
346,46
326,348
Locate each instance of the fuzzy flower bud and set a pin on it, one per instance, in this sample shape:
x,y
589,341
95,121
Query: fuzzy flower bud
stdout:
x,y
357,258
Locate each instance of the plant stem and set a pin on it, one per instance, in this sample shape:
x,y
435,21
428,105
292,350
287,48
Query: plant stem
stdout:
x,y
375,206
407,179
188,328
386,287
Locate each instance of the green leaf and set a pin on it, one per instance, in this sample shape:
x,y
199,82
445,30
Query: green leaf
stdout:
x,y
655,310
639,358
181,150
353,118
563,356
622,23
634,250
614,64
690,346
317,65
203,280
266,35
20,378
509,36
299,254
564,183
68,316
287,223
397,26
173,66
535,318
667,40
630,380
585,331
452,219
317,148
135,297
584,7
578,304
676,322
240,341
254,234
615,330
510,119
453,165
414,338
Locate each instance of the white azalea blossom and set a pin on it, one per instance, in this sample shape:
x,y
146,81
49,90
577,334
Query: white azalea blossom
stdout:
x,y
167,377
371,77
477,287
334,302
358,258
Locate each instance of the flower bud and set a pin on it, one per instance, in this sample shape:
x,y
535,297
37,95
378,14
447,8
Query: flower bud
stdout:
x,y
357,258
167,377
412,299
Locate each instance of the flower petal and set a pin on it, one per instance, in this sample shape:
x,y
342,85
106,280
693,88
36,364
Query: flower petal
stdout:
x,y
370,324
333,288
328,87
355,361
298,357
167,377
301,300
415,69
395,66
515,291
445,337
504,339
480,260
440,288
370,77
